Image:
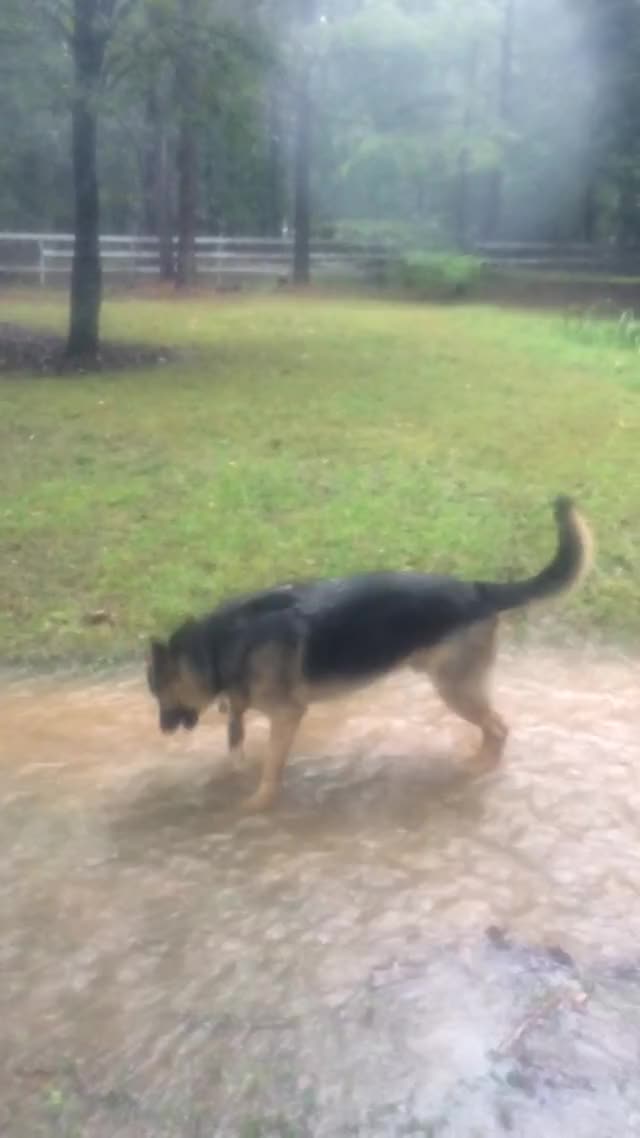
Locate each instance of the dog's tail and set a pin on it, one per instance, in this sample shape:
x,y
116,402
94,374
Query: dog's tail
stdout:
x,y
571,563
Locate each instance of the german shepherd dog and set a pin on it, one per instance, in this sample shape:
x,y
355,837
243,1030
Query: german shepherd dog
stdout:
x,y
283,648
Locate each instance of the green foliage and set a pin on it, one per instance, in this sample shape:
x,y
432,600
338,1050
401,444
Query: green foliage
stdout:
x,y
433,275
418,116
35,182
396,233
427,132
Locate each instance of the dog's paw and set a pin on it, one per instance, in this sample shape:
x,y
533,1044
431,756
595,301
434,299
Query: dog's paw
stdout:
x,y
238,760
483,760
258,803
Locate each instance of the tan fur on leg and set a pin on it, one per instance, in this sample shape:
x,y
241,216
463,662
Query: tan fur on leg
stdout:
x,y
461,671
284,725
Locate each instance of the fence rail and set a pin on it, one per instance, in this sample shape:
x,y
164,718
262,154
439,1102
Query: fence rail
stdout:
x,y
48,257
576,257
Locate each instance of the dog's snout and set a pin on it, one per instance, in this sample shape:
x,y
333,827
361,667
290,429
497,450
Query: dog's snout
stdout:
x,y
174,717
170,721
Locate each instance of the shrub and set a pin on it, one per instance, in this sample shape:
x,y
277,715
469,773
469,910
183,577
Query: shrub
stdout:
x,y
436,274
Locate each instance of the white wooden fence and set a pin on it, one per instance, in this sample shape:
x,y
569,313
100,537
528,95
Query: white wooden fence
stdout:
x,y
223,260
559,256
48,256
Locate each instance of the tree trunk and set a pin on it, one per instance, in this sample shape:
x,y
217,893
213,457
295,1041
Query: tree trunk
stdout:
x,y
149,162
164,211
187,148
187,177
273,204
461,201
627,219
495,187
462,188
590,211
302,191
302,162
88,45
157,190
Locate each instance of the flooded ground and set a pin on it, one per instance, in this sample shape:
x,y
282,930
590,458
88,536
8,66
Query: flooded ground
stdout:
x,y
400,949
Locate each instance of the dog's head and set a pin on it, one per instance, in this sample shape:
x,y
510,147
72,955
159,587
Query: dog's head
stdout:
x,y
179,688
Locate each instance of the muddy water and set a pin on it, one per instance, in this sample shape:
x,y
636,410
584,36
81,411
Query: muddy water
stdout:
x,y
400,949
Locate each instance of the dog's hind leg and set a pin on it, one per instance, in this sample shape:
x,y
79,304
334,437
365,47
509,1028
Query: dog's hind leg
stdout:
x,y
284,724
461,671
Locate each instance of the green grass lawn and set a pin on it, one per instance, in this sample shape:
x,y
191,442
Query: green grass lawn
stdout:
x,y
307,436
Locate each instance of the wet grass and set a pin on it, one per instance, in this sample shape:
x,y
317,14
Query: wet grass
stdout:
x,y
306,436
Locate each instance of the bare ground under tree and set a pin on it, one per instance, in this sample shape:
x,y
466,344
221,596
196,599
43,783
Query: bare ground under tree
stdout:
x,y
36,352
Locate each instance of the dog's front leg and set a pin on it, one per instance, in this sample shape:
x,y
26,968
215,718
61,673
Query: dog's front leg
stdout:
x,y
235,734
284,724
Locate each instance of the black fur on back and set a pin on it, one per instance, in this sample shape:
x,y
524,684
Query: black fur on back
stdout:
x,y
349,628
362,626
355,628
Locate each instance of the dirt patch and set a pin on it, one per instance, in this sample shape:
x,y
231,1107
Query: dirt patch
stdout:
x,y
399,949
34,352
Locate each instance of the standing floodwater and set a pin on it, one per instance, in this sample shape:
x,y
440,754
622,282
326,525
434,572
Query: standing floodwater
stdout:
x,y
399,949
